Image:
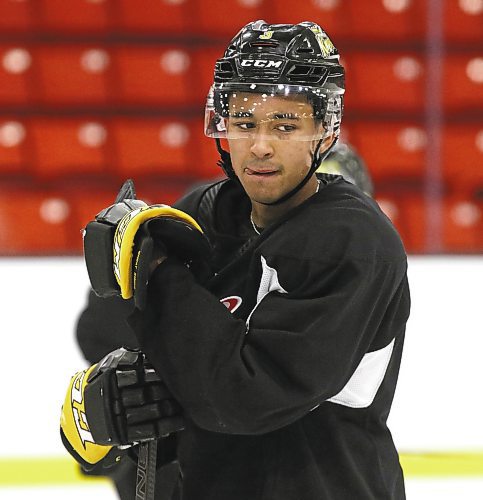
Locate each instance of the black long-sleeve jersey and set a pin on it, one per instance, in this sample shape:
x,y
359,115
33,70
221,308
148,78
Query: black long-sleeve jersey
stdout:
x,y
286,360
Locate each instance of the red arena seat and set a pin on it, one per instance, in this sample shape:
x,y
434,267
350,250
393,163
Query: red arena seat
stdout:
x,y
16,17
461,221
463,20
407,214
73,16
462,157
165,17
463,82
74,75
16,75
155,76
153,147
34,223
69,147
392,150
384,82
386,20
14,140
463,225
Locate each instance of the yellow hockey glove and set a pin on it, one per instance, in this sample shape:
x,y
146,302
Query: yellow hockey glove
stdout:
x,y
119,401
74,429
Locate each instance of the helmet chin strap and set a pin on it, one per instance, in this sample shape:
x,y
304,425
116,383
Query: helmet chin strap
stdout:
x,y
225,161
225,164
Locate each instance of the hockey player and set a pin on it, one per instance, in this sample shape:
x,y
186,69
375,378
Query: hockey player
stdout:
x,y
102,326
285,359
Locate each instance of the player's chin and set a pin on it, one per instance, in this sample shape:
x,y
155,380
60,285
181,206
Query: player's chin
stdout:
x,y
266,197
263,184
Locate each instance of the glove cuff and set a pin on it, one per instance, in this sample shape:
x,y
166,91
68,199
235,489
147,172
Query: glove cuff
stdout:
x,y
74,426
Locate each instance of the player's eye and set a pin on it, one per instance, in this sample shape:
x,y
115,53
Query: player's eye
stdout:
x,y
286,128
244,125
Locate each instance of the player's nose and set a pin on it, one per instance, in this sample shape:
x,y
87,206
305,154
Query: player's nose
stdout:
x,y
261,146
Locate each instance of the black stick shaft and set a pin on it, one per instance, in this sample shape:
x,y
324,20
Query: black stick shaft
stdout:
x,y
146,472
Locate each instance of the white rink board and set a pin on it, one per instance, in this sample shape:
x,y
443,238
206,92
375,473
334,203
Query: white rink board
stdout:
x,y
41,299
437,404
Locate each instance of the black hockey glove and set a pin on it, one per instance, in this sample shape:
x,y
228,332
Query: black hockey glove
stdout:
x,y
124,241
119,401
99,240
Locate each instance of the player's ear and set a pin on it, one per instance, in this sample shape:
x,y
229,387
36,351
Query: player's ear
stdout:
x,y
326,142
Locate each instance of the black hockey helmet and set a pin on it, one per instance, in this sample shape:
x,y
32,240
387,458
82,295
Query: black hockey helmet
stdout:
x,y
345,160
278,60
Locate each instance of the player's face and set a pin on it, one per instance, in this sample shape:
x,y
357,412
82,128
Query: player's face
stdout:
x,y
271,143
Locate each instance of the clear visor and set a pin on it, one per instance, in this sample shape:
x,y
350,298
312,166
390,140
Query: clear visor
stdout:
x,y
281,112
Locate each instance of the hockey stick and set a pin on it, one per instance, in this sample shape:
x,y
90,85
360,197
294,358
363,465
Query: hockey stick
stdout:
x,y
146,472
127,191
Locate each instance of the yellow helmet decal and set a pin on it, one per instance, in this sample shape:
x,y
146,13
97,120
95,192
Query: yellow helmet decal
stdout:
x,y
325,43
266,35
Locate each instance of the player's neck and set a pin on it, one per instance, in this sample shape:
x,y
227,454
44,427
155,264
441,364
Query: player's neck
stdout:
x,y
263,216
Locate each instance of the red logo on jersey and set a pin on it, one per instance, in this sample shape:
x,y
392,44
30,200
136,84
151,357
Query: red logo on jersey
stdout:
x,y
232,303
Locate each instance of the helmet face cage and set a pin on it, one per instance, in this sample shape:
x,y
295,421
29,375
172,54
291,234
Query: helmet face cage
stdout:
x,y
274,62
